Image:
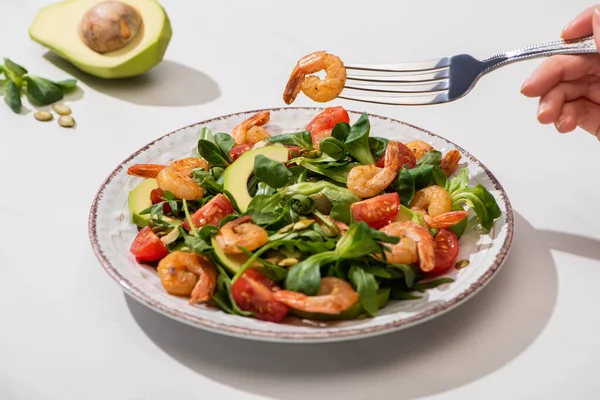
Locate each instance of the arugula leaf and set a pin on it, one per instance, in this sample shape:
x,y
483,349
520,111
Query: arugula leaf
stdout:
x,y
340,131
378,146
481,201
12,96
341,212
367,287
333,148
224,142
212,153
42,91
301,139
434,157
405,186
271,172
357,142
335,194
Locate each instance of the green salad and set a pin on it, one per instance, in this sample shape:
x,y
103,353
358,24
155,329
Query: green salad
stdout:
x,y
331,222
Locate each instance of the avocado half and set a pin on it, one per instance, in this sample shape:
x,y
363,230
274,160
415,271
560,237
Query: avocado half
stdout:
x,y
57,27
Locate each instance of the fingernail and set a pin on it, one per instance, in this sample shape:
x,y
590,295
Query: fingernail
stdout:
x,y
560,121
566,28
542,109
525,84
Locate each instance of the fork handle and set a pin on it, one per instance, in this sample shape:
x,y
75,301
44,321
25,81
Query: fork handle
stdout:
x,y
585,45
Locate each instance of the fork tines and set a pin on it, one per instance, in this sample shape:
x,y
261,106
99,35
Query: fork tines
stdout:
x,y
415,83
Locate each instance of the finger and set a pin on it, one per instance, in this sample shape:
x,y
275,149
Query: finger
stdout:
x,y
558,69
583,113
552,102
580,26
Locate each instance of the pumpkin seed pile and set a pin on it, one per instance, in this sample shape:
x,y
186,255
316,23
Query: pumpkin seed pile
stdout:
x,y
65,119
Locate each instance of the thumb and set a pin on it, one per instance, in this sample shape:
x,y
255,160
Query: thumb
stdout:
x,y
596,26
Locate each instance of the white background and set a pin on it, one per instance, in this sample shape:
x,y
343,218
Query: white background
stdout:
x,y
67,331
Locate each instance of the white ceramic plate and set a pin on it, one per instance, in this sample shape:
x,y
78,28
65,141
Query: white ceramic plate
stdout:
x,y
111,234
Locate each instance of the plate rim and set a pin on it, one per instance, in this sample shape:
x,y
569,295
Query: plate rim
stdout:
x,y
296,337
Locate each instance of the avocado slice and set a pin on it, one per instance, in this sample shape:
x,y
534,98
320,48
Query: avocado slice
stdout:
x,y
235,177
143,34
233,262
383,295
139,200
406,214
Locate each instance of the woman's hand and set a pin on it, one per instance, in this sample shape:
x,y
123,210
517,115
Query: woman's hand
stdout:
x,y
569,85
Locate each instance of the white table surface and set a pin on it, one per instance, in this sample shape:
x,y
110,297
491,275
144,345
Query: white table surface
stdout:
x,y
67,331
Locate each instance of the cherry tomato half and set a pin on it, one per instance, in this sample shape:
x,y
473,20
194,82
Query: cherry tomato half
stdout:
x,y
239,149
446,251
147,246
407,157
253,292
327,119
211,213
156,196
377,211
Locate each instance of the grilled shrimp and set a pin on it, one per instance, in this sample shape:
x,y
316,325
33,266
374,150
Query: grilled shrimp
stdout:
x,y
369,180
419,148
241,232
249,131
334,296
418,247
184,273
450,161
185,165
435,204
312,86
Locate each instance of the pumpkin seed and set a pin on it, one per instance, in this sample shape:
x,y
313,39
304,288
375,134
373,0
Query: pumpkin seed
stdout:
x,y
303,224
61,109
286,228
43,116
462,264
288,262
311,154
66,121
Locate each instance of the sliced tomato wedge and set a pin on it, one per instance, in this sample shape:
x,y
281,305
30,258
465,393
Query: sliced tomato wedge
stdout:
x,y
157,196
253,292
407,157
377,211
147,246
239,149
327,119
211,213
446,251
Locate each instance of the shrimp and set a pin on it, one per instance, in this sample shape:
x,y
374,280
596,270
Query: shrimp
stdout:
x,y
312,86
242,134
241,232
435,204
185,165
418,247
183,273
334,296
369,180
450,161
180,184
419,148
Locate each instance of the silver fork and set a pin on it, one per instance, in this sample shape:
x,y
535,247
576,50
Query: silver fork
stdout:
x,y
445,79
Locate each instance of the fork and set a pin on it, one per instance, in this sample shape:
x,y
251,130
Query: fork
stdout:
x,y
444,79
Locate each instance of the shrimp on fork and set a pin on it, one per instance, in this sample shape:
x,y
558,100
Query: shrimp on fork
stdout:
x,y
312,86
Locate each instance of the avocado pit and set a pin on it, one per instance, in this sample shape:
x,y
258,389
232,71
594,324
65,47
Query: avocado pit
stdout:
x,y
109,26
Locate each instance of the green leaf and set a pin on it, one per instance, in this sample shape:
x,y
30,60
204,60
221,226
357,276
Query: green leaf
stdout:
x,y
422,175
405,186
340,131
333,148
433,157
265,209
377,146
341,212
206,134
460,181
301,139
42,91
422,286
14,71
305,277
335,194
481,201
212,153
271,172
459,228
367,287
225,142
299,174
67,85
439,177
12,96
336,173
357,142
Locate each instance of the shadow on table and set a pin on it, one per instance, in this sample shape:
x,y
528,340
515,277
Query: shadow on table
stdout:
x,y
460,347
169,84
